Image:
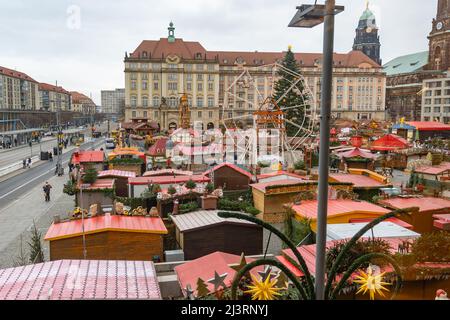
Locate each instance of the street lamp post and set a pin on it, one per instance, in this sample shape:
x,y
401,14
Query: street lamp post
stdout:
x,y
309,16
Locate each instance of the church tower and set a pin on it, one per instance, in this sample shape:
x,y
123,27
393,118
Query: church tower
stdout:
x,y
367,39
439,38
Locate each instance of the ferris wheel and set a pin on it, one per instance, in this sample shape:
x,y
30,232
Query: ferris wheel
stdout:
x,y
258,131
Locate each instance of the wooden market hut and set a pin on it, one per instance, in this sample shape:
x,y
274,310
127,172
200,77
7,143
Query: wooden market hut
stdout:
x,y
356,158
203,232
121,179
366,183
100,192
108,237
229,177
88,159
421,220
128,159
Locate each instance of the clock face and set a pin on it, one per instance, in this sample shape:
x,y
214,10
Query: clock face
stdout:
x,y
439,25
369,30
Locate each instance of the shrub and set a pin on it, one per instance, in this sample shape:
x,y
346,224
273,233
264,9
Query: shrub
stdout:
x,y
226,204
299,165
252,210
126,161
171,190
188,207
209,187
70,188
432,247
190,184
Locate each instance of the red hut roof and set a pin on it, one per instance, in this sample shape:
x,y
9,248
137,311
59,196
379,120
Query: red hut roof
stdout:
x,y
389,142
158,149
87,156
429,125
204,267
356,152
73,228
81,279
229,165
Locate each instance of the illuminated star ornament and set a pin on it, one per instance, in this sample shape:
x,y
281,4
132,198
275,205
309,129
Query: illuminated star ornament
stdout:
x,y
263,289
371,281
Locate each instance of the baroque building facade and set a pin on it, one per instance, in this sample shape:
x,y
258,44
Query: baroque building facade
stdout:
x,y
157,72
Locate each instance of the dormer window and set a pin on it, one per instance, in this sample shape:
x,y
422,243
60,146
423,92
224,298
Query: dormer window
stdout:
x,y
225,61
144,54
198,55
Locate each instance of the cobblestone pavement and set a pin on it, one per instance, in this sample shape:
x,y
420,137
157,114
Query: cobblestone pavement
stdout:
x,y
17,218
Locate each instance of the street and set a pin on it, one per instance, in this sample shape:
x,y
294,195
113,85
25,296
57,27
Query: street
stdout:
x,y
15,187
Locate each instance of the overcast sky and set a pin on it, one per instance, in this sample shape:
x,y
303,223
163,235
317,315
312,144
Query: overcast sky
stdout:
x,y
81,43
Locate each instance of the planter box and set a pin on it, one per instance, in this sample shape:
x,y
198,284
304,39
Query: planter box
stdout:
x,y
209,202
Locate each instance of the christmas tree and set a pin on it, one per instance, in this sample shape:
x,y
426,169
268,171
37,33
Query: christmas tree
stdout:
x,y
293,97
202,288
36,253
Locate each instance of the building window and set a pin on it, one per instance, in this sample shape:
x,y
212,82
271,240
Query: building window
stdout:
x,y
172,86
155,76
145,101
199,114
172,77
133,101
156,114
189,77
210,86
210,101
144,85
200,86
133,85
172,102
199,66
133,76
189,86
210,114
437,109
427,109
199,101
133,114
156,101
210,67
199,77
145,114
155,86
230,115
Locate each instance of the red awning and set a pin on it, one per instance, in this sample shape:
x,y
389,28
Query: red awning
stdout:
x,y
356,152
389,142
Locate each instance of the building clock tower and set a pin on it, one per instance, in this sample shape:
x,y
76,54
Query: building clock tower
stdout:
x,y
367,39
439,38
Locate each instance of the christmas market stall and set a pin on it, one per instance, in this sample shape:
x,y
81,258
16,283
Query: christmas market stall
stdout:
x,y
203,232
115,237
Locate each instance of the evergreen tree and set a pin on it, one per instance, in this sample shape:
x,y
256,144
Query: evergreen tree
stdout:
x,y
294,97
35,244
90,175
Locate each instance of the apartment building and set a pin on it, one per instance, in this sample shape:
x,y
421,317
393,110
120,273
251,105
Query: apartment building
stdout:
x,y
82,103
436,100
113,101
18,91
54,98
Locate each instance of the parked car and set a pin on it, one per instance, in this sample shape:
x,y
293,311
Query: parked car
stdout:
x,y
48,134
110,144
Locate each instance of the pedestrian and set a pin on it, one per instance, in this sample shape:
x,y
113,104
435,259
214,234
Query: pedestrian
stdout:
x,y
50,156
29,162
24,163
46,189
